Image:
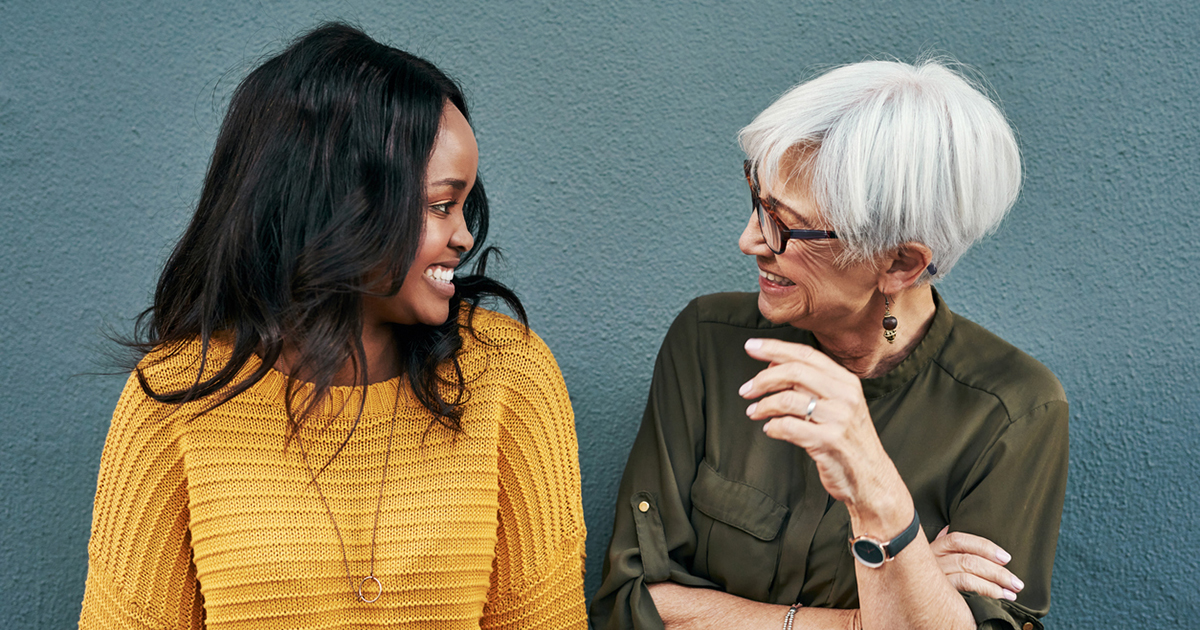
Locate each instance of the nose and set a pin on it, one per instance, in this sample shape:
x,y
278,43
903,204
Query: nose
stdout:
x,y
462,240
751,241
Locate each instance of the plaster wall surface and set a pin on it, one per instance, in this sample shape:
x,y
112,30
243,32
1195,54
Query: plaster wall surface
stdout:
x,y
607,138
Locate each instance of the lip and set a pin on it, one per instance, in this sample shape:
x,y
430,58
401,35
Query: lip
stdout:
x,y
445,289
773,288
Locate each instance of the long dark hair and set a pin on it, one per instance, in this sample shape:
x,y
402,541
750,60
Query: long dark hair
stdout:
x,y
316,186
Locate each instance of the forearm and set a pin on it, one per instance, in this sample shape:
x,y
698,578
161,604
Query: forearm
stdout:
x,y
910,591
684,608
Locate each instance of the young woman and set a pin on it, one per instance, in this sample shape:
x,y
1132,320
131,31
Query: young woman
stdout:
x,y
324,429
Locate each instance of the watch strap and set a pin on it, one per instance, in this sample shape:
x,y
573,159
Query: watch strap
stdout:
x,y
897,544
874,553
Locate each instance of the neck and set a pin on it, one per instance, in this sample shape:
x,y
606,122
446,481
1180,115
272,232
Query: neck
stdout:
x,y
379,345
858,344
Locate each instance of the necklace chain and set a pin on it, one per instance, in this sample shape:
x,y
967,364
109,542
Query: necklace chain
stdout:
x,y
370,577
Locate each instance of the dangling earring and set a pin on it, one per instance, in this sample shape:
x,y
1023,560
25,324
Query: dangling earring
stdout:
x,y
889,322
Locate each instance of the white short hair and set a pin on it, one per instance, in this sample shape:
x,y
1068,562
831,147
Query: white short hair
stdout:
x,y
893,153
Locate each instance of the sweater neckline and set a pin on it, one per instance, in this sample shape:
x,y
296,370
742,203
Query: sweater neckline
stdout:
x,y
381,398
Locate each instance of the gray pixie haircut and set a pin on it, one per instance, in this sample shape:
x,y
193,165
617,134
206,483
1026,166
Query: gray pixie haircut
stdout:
x,y
893,153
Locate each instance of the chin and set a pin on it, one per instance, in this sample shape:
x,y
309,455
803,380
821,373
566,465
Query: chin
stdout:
x,y
773,313
434,319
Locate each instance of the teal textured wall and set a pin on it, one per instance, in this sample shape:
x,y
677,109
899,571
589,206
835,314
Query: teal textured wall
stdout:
x,y
607,138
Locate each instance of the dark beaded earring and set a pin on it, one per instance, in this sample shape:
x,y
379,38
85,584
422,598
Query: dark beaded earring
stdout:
x,y
889,322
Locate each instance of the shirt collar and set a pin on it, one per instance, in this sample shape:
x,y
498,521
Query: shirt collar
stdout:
x,y
915,362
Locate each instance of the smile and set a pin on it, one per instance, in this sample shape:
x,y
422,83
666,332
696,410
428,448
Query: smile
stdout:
x,y
780,280
440,274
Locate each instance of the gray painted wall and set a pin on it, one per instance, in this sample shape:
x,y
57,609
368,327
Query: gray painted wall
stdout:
x,y
607,134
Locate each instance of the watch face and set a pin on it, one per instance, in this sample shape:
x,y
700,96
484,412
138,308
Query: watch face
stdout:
x,y
868,552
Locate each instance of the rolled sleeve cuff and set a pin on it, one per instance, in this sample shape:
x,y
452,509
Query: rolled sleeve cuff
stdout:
x,y
994,614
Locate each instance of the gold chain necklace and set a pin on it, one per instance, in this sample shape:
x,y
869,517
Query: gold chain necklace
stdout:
x,y
370,577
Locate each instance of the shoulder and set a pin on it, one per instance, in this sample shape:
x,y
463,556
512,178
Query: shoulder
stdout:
x,y
145,433
489,336
717,311
977,358
730,309
499,351
177,366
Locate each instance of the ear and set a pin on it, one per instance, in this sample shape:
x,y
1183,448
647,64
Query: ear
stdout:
x,y
903,266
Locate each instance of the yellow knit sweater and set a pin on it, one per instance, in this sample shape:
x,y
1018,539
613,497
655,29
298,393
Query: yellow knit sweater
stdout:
x,y
209,522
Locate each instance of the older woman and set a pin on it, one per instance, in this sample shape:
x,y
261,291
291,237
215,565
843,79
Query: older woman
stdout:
x,y
803,446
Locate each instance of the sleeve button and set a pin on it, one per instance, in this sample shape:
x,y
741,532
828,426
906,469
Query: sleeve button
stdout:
x,y
1027,626
645,507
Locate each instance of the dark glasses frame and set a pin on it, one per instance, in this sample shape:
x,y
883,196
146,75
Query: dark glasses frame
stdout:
x,y
765,209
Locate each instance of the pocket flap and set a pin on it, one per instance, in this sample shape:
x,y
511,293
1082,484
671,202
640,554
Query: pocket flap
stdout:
x,y
737,504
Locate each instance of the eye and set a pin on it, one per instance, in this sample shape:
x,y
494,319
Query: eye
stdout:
x,y
443,208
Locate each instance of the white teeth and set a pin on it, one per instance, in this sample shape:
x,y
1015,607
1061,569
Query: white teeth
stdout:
x,y
440,274
776,279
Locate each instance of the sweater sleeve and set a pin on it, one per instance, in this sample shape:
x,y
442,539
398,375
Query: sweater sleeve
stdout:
x,y
140,570
537,574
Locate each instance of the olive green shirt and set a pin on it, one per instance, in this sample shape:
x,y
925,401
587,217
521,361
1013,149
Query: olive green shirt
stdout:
x,y
976,428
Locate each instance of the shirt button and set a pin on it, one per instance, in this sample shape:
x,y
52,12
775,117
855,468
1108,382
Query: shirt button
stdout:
x,y
1027,626
645,507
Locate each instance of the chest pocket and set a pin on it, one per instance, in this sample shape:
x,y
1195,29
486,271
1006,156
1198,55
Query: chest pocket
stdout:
x,y
737,531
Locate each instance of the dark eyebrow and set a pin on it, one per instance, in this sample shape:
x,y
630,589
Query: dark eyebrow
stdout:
x,y
456,184
791,217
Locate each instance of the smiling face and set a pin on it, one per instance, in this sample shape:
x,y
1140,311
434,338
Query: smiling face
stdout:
x,y
424,298
804,286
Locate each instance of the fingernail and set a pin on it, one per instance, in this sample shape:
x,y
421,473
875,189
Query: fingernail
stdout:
x,y
750,409
1009,595
1017,583
753,344
1003,556
765,426
745,387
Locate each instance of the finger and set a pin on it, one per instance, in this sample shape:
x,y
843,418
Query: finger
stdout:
x,y
791,402
966,582
942,533
794,375
986,570
962,542
778,351
795,430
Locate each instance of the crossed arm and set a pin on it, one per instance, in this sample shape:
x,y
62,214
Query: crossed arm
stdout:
x,y
968,562
649,566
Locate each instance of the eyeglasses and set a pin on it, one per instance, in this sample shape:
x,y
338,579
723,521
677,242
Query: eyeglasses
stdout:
x,y
774,232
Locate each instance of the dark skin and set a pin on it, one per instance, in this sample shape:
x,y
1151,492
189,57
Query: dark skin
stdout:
x,y
423,297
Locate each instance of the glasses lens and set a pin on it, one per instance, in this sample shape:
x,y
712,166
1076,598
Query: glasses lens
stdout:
x,y
770,229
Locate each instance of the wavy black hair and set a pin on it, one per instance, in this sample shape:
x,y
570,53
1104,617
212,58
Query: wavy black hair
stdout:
x,y
316,185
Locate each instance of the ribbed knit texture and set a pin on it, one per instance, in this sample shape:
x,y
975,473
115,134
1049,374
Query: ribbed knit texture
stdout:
x,y
209,522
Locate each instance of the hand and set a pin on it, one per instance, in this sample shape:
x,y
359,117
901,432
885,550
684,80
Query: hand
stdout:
x,y
975,564
839,435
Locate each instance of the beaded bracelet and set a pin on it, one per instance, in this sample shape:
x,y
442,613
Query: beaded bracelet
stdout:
x,y
791,616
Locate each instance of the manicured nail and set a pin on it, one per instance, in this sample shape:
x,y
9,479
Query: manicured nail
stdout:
x,y
750,409
1009,595
1003,556
765,425
1017,583
753,344
745,387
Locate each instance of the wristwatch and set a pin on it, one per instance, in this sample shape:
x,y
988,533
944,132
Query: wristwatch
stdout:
x,y
873,553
